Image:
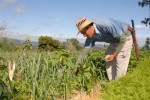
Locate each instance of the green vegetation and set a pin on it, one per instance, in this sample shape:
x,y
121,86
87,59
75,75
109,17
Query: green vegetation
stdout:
x,y
50,72
147,44
50,75
144,3
27,44
48,44
134,86
7,44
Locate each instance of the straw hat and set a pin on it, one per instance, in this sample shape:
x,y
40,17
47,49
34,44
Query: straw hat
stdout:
x,y
82,23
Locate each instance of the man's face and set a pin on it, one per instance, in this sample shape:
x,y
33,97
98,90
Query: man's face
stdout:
x,y
88,31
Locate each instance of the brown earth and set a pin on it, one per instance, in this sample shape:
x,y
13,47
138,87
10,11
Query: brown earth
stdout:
x,y
91,95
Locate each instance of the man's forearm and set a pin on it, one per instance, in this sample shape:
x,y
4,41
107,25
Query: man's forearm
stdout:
x,y
115,53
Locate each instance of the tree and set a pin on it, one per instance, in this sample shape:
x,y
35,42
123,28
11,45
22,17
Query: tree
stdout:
x,y
7,44
48,43
72,45
147,44
146,21
2,27
27,45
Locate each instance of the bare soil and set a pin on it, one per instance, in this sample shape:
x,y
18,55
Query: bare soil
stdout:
x,y
83,95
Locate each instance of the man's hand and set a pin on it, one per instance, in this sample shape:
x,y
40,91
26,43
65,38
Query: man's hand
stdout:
x,y
111,57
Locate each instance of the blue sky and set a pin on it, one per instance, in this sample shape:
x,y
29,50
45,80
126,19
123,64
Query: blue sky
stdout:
x,y
57,18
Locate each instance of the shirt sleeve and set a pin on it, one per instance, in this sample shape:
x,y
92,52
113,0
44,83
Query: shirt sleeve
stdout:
x,y
117,29
121,43
89,43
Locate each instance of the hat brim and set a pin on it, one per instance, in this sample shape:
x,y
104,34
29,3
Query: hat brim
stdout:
x,y
85,27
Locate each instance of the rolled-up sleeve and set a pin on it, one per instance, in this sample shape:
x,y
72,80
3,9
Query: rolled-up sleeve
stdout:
x,y
121,43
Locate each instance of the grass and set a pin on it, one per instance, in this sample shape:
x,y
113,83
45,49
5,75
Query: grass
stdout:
x,y
134,86
50,75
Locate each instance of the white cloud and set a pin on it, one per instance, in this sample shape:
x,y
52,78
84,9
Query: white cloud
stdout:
x,y
19,10
140,26
141,41
5,3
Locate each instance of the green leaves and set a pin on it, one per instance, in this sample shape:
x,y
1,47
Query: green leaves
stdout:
x,y
3,71
49,75
27,44
47,43
1,88
134,86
